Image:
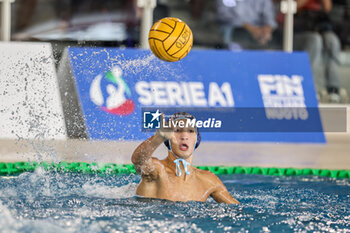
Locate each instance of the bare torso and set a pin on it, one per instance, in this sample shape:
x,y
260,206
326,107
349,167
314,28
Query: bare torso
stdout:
x,y
197,186
159,177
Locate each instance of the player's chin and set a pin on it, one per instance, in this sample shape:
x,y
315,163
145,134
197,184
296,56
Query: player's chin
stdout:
x,y
184,154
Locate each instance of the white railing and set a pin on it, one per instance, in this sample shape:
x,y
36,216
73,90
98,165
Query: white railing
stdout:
x,y
288,8
147,20
6,19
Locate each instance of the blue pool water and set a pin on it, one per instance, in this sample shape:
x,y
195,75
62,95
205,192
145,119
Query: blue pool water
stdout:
x,y
71,202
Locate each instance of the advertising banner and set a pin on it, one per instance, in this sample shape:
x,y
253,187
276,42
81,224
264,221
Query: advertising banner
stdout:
x,y
258,96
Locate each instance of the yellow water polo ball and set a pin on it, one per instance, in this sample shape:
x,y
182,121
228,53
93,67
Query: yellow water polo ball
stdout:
x,y
170,39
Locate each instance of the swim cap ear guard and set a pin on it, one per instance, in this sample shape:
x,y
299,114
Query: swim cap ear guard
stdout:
x,y
199,138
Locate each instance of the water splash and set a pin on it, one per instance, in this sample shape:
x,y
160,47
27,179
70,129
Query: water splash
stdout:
x,y
71,202
125,191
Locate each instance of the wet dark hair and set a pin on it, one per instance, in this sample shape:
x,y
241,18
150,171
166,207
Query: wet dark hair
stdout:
x,y
184,115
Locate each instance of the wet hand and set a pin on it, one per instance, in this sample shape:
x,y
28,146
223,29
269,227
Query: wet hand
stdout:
x,y
167,133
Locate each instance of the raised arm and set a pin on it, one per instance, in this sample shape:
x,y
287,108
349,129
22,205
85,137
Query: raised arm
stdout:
x,y
142,156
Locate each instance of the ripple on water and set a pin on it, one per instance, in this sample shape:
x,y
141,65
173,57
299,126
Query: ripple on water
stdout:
x,y
72,202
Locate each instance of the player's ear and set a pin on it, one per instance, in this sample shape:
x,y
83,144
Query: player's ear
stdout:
x,y
198,141
167,144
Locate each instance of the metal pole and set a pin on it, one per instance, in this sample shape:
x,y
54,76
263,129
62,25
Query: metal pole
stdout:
x,y
147,20
6,20
288,7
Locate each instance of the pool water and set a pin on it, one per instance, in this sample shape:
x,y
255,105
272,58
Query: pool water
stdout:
x,y
72,202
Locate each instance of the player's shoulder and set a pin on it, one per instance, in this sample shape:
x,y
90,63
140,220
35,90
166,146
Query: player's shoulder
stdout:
x,y
151,172
152,166
155,160
206,174
157,163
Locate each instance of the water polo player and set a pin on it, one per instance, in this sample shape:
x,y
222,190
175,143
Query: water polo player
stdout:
x,y
174,178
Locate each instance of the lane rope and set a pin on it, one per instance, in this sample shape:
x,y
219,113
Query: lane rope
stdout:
x,y
16,168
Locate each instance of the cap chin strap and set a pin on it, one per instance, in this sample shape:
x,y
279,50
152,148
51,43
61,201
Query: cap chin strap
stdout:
x,y
178,160
178,169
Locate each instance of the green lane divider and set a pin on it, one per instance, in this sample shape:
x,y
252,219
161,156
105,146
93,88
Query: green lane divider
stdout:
x,y
16,168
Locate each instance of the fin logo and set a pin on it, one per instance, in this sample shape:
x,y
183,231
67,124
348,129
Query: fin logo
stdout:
x,y
283,96
110,92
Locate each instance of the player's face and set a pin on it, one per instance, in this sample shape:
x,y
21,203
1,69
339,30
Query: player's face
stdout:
x,y
184,140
